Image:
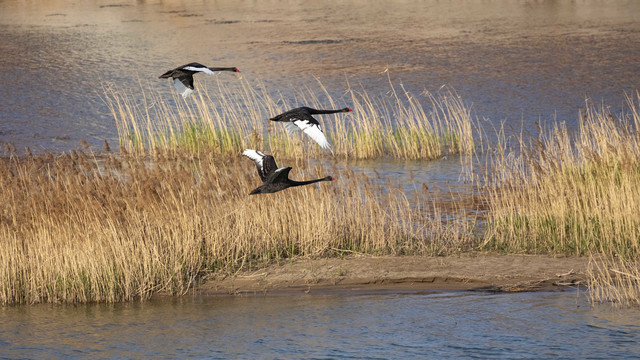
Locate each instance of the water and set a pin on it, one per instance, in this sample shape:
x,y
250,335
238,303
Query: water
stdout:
x,y
376,326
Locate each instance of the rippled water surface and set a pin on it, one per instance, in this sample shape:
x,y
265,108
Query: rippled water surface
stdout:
x,y
381,326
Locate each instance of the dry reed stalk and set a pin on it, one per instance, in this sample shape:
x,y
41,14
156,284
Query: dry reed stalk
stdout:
x,y
576,195
83,227
614,280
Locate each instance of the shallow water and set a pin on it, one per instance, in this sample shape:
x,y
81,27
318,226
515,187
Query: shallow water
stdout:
x,y
376,326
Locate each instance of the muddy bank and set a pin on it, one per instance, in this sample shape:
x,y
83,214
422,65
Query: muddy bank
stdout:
x,y
364,274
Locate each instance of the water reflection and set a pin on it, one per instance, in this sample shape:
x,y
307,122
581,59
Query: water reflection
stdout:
x,y
441,325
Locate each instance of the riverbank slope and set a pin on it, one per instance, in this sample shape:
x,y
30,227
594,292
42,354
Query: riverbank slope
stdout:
x,y
366,274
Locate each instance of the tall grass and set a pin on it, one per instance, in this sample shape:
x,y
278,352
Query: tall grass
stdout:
x,y
172,206
235,116
571,194
81,227
576,195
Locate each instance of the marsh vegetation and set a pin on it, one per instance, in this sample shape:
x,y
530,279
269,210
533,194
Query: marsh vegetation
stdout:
x,y
171,205
575,193
398,124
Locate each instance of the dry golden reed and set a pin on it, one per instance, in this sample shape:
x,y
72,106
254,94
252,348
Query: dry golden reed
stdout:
x,y
614,280
172,206
571,194
575,194
82,227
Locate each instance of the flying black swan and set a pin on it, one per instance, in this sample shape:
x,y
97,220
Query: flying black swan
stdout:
x,y
301,117
274,179
183,76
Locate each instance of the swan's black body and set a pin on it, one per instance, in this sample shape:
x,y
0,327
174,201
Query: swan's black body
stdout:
x,y
303,119
304,113
183,76
274,179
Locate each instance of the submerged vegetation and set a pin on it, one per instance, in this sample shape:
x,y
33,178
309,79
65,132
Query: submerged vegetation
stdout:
x,y
171,206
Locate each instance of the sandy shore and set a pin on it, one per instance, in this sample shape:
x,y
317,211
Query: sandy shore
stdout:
x,y
366,274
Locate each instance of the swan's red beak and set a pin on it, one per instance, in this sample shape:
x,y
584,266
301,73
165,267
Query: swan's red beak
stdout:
x,y
333,179
350,109
237,70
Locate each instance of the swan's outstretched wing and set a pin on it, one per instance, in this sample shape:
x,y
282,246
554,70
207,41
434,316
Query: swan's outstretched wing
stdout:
x,y
281,175
314,131
184,85
265,164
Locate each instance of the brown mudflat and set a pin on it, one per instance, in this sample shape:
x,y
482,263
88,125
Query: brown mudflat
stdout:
x,y
365,274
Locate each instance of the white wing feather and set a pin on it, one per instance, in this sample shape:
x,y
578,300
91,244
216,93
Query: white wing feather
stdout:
x,y
183,90
290,127
200,69
255,155
314,132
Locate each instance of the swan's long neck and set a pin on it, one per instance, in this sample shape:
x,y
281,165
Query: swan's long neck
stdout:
x,y
307,182
223,69
315,111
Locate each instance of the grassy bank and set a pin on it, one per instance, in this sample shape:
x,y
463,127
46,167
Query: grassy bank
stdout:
x,y
172,205
567,193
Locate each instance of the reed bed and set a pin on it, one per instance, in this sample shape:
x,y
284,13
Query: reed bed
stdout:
x,y
82,227
234,116
575,194
571,194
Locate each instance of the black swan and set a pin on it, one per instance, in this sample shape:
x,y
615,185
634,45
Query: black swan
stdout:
x,y
274,179
183,76
301,117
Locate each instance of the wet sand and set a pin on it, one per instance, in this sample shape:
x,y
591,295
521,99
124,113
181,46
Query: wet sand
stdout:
x,y
366,274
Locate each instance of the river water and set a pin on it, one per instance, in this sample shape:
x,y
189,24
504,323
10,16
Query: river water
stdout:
x,y
514,62
372,326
